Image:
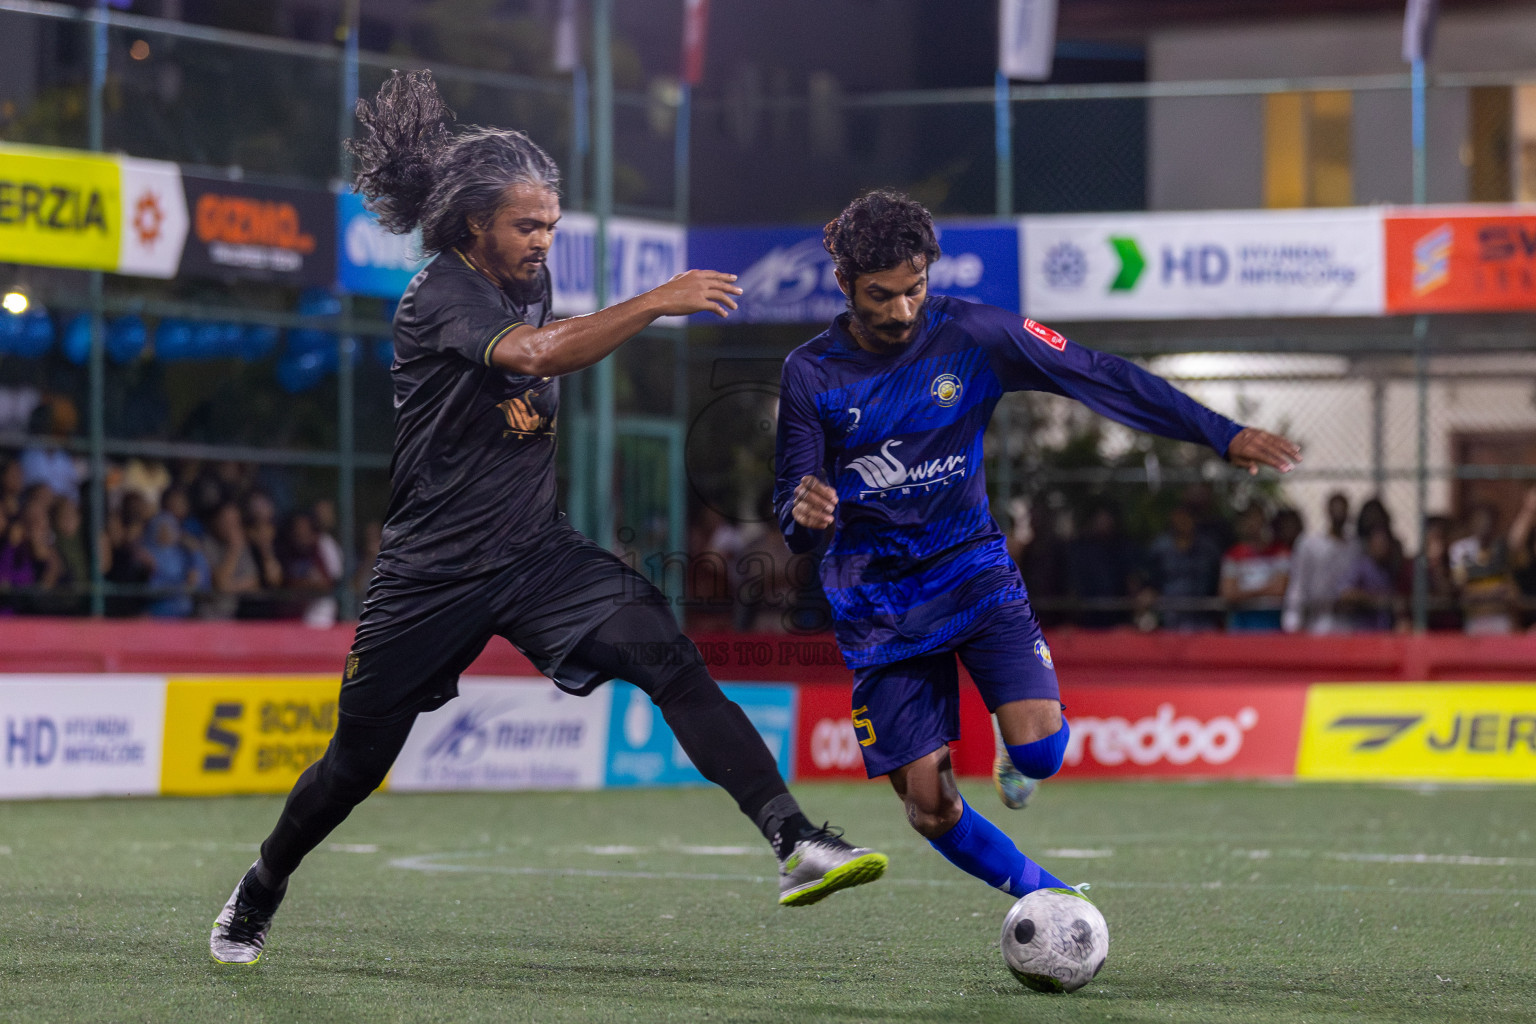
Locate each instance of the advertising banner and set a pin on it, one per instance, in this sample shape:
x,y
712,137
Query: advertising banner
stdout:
x,y
787,276
826,746
1420,731
1243,263
244,734
1461,260
504,733
370,260
154,218
1237,730
643,752
59,208
243,231
641,255
81,735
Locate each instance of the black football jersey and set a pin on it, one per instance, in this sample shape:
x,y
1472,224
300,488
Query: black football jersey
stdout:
x,y
473,475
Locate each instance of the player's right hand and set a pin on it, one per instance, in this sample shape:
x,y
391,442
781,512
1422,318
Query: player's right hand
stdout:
x,y
815,503
698,291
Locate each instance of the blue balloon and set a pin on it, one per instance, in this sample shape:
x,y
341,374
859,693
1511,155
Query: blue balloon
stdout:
x,y
319,302
173,340
258,341
34,333
77,338
384,352
301,372
126,339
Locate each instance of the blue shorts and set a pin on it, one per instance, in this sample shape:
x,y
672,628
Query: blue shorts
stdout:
x,y
906,709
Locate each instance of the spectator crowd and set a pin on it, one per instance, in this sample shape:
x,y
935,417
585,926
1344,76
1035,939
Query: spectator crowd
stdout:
x,y
180,540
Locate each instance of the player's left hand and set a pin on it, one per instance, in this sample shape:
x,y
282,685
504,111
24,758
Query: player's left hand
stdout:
x,y
1253,448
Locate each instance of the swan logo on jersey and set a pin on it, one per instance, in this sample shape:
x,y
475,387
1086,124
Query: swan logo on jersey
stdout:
x,y
884,474
1055,339
945,389
1043,652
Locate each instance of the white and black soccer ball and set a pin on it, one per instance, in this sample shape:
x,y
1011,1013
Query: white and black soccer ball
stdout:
x,y
1054,940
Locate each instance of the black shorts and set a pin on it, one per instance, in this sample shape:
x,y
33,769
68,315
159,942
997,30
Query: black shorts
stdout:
x,y
416,636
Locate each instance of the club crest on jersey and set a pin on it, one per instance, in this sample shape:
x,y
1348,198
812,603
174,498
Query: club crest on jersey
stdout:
x,y
1043,652
885,475
523,417
1055,339
945,389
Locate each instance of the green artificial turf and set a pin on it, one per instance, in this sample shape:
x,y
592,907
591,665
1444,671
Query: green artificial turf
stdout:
x,y
1226,902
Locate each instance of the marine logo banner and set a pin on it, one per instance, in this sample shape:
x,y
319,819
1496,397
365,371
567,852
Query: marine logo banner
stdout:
x,y
1420,731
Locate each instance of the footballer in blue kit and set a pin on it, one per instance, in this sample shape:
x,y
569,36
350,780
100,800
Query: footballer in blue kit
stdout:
x,y
879,456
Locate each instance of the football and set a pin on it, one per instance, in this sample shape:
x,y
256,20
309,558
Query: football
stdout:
x,y
1054,940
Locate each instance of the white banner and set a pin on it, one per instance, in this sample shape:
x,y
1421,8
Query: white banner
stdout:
x,y
506,733
80,735
641,255
154,218
1247,263
1026,38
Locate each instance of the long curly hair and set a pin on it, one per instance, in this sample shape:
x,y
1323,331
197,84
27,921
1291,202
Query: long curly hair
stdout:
x,y
877,231
413,170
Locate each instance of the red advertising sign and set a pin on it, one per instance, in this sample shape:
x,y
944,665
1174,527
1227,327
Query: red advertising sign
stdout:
x,y
826,746
1231,730
1461,259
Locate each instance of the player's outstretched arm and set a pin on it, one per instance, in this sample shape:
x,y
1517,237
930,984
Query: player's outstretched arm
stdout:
x,y
566,346
1253,448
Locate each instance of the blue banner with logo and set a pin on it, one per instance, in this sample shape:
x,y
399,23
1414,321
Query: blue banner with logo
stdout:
x,y
370,260
787,276
643,752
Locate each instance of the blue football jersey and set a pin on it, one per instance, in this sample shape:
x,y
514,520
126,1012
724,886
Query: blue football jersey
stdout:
x,y
915,554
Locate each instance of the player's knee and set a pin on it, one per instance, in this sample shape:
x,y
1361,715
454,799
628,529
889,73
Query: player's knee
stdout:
x,y
1042,758
934,815
349,780
687,685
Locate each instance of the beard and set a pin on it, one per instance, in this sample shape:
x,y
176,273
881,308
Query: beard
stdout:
x,y
526,291
890,335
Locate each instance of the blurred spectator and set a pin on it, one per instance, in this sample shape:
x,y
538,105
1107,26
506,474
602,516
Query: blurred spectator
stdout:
x,y
1101,568
1368,600
1522,555
1480,565
367,555
74,561
1254,575
148,477
1317,566
45,461
1210,523
304,573
11,486
261,535
1286,528
331,559
1183,567
1444,602
28,559
175,503
231,565
127,563
1036,548
177,569
1374,515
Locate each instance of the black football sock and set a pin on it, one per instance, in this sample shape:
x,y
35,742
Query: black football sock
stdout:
x,y
259,894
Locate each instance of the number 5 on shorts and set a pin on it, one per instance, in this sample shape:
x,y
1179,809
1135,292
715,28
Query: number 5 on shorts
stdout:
x,y
862,726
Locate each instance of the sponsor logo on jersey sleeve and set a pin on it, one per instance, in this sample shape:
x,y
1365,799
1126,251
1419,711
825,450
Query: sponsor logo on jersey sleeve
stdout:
x,y
1043,652
1055,339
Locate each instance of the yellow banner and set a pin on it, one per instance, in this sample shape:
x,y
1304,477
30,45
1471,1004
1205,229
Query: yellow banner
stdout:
x,y
59,208
1420,731
244,734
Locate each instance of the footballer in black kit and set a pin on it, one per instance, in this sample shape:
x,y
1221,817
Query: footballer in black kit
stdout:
x,y
474,545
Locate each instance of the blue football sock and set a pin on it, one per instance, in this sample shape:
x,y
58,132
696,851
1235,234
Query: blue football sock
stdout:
x,y
980,848
1042,758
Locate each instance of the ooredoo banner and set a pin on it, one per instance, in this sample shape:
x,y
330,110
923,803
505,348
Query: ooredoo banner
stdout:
x,y
243,231
506,733
1241,730
1461,259
1239,263
1420,731
827,745
81,735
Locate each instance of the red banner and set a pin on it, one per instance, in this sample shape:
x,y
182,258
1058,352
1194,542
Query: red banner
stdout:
x,y
1454,260
1232,730
826,747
